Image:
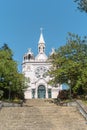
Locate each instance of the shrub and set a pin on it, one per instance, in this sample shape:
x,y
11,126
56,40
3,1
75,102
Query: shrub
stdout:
x,y
1,94
63,94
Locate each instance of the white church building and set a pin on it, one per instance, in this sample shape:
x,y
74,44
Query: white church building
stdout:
x,y
35,70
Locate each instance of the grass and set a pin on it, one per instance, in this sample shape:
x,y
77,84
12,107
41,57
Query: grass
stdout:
x,y
84,101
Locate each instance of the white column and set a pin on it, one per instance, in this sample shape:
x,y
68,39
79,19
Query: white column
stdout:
x,y
46,92
36,93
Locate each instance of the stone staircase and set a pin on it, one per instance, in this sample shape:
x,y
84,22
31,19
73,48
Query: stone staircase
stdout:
x,y
41,114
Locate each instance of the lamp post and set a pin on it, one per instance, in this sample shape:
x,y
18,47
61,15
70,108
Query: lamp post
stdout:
x,y
1,91
10,83
69,82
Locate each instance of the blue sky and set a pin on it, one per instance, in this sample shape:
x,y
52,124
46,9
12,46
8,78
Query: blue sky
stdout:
x,y
21,20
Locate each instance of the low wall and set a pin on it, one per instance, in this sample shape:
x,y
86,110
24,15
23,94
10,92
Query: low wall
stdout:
x,y
10,104
0,104
82,108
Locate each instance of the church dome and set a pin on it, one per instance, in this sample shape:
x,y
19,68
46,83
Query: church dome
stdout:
x,y
41,57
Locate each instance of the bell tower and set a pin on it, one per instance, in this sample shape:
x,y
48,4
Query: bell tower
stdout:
x,y
41,43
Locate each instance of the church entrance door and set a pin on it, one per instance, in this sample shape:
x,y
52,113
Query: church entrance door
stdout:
x,y
41,91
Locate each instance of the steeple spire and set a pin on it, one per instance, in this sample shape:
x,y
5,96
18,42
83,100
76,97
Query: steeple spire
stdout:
x,y
41,39
41,43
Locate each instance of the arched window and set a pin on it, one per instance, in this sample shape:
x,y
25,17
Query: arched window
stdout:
x,y
29,56
24,57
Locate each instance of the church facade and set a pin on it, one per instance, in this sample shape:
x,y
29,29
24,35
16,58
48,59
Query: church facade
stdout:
x,y
35,70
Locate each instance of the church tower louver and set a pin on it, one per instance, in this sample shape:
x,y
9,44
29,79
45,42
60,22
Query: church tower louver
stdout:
x,y
35,70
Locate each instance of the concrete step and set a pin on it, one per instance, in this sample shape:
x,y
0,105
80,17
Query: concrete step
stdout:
x,y
41,115
38,102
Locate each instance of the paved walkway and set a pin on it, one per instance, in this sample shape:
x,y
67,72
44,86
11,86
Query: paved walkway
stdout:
x,y
41,115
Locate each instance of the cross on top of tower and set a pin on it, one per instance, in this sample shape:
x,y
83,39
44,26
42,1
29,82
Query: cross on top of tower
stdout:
x,y
41,29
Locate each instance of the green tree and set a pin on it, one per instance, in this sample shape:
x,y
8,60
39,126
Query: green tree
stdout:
x,y
70,63
11,81
82,5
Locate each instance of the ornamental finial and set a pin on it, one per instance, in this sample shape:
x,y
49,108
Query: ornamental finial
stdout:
x,y
29,49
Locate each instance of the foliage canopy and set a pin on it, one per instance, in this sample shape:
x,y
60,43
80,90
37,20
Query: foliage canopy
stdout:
x,y
10,78
82,5
70,63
